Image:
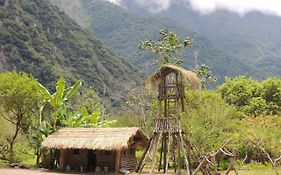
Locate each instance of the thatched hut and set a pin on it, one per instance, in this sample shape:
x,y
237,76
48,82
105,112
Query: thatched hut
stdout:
x,y
88,148
187,78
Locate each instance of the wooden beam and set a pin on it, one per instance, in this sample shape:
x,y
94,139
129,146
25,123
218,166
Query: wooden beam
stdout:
x,y
86,160
146,153
184,153
117,161
62,158
154,158
168,150
165,152
161,154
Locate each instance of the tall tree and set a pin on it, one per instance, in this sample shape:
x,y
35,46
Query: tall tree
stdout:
x,y
169,47
19,98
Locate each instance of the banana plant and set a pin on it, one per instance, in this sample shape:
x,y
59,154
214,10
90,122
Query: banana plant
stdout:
x,y
85,119
57,101
36,137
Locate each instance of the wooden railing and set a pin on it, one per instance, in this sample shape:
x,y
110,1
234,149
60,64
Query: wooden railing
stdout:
x,y
167,125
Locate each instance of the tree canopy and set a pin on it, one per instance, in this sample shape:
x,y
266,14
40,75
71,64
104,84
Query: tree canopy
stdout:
x,y
169,47
20,95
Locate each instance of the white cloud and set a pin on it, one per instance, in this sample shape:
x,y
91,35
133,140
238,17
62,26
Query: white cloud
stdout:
x,y
238,6
155,5
117,2
208,6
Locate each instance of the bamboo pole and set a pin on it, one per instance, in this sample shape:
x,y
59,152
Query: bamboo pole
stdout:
x,y
155,153
146,153
161,153
184,154
166,167
165,151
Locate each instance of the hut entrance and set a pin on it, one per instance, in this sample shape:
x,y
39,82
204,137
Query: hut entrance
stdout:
x,y
92,160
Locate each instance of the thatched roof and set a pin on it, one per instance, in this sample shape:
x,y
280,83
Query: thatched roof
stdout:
x,y
189,78
95,138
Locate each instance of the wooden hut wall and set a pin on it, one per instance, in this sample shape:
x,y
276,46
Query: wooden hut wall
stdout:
x,y
76,158
106,158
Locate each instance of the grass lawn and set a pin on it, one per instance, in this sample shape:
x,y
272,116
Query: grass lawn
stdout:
x,y
256,170
250,169
267,171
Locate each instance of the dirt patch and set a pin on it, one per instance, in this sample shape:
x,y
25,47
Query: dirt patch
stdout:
x,y
19,171
14,171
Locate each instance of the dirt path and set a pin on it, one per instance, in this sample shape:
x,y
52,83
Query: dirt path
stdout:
x,y
14,171
18,171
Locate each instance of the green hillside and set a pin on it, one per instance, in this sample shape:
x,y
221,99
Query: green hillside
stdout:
x,y
253,38
122,31
38,38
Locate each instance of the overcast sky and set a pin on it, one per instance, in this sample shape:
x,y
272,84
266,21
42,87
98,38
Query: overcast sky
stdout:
x,y
209,6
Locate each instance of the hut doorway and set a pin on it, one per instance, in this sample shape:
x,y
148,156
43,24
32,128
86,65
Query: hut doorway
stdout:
x,y
92,160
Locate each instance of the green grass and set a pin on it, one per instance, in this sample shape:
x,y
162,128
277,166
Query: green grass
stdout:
x,y
253,169
250,169
267,171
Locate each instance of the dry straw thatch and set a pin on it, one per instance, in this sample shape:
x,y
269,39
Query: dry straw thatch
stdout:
x,y
95,138
188,78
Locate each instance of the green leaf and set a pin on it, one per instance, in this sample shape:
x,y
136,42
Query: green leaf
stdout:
x,y
72,90
58,96
45,92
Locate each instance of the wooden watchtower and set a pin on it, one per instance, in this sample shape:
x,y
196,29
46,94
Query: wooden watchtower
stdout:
x,y
170,82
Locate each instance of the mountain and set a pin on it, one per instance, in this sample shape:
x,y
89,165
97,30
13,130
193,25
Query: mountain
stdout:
x,y
122,31
254,38
38,38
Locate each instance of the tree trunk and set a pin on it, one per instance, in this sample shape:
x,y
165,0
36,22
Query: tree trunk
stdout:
x,y
12,142
11,152
38,155
275,169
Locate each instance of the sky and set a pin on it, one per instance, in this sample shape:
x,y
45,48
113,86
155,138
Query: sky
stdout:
x,y
205,7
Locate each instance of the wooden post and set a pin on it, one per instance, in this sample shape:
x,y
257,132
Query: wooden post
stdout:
x,y
184,153
161,154
179,158
155,153
166,167
86,160
62,158
117,161
146,153
165,151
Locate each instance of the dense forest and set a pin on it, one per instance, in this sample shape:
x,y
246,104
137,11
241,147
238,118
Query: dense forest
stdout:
x,y
55,73
121,30
252,38
38,38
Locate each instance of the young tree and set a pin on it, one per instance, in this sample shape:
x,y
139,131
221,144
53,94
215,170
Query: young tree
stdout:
x,y
169,47
206,75
19,96
253,97
271,93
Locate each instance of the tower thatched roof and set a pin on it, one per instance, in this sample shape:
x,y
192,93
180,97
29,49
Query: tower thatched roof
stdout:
x,y
95,138
188,78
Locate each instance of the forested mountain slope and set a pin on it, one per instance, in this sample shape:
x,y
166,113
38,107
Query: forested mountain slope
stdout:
x,y
38,38
254,38
122,31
